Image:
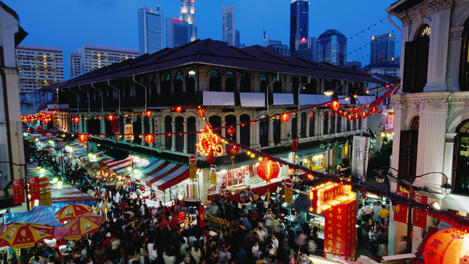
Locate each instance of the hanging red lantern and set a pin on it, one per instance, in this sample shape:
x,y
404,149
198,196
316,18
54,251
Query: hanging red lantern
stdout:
x,y
230,130
447,246
365,114
101,135
82,138
148,113
76,120
268,170
149,138
335,105
110,117
200,112
373,110
311,115
232,150
285,118
207,128
349,117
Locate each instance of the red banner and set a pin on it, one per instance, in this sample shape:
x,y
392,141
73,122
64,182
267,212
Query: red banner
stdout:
x,y
34,190
340,236
115,126
400,211
419,217
18,191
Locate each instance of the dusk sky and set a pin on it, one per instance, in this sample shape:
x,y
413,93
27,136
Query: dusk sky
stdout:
x,y
70,23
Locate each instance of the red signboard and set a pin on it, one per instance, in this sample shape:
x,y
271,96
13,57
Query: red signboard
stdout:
x,y
340,236
34,190
419,217
329,194
400,211
18,191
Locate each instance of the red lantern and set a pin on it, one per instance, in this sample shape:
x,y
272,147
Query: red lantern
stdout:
x,y
149,138
349,117
285,118
148,113
365,114
268,170
373,110
110,117
82,138
178,109
232,150
230,130
335,105
201,112
76,120
447,246
101,135
207,128
311,115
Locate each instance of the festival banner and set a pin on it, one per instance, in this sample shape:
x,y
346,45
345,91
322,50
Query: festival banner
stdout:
x,y
400,211
46,197
360,151
419,217
339,233
34,190
18,191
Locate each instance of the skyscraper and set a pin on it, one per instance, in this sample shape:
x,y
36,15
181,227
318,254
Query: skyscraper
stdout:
x,y
178,32
299,17
150,29
74,62
331,47
382,48
187,14
277,47
229,24
308,49
238,39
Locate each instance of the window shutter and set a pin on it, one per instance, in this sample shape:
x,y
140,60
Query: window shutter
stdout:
x,y
421,66
409,67
408,154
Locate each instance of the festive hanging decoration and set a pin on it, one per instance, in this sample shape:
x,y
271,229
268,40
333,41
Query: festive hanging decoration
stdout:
x,y
209,145
230,130
110,117
447,246
149,138
82,138
200,111
285,117
148,113
335,105
232,150
268,170
76,120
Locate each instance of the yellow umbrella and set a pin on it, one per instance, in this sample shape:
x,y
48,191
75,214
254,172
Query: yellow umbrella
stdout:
x,y
25,235
83,225
72,211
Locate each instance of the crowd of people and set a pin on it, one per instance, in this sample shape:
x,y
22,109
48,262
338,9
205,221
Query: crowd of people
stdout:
x,y
373,220
253,229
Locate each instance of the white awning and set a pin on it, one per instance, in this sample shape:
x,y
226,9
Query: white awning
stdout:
x,y
283,99
252,99
365,99
313,99
218,98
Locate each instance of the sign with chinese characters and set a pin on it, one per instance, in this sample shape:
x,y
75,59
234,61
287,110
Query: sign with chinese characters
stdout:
x,y
18,191
34,190
213,174
46,198
288,195
329,194
340,236
419,217
400,211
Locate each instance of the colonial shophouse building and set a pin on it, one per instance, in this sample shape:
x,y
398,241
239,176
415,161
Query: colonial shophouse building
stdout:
x,y
233,85
431,111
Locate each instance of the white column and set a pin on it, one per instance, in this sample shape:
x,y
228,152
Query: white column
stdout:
x,y
454,57
238,133
252,134
308,117
298,124
102,125
186,147
320,123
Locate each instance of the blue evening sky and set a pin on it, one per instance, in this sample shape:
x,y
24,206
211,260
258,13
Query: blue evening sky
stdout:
x,y
70,23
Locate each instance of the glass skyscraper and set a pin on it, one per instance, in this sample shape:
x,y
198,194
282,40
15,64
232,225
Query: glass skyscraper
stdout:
x,y
331,47
382,48
299,18
150,30
178,32
229,25
187,14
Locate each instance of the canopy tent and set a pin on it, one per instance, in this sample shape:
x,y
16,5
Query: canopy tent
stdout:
x,y
67,195
162,174
44,215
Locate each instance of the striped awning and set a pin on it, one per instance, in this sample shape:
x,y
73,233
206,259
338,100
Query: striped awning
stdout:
x,y
118,165
163,174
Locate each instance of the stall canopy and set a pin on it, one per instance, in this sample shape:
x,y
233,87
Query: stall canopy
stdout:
x,y
44,215
67,195
163,174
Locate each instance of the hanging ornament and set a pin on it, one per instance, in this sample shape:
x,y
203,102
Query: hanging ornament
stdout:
x,y
110,117
208,128
230,130
373,110
232,150
447,246
82,138
148,113
268,170
335,105
209,145
76,120
201,112
149,138
285,117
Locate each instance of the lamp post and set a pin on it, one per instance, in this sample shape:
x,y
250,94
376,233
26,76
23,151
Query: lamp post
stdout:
x,y
410,183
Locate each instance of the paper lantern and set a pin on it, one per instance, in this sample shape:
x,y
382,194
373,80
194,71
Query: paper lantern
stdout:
x,y
335,105
200,112
76,120
230,130
110,117
447,246
285,118
268,170
373,110
149,138
232,150
148,113
82,138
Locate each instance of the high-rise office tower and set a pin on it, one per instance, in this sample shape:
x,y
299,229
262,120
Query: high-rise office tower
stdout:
x,y
299,17
277,47
150,29
74,62
229,24
331,47
187,14
238,39
308,48
178,32
382,48
38,66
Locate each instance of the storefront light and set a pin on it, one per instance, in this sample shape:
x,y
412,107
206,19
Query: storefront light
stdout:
x,y
60,184
129,169
305,161
436,206
42,171
55,180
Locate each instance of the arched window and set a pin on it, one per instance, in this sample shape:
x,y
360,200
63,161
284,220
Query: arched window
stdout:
x,y
264,132
461,159
214,80
277,125
231,120
137,130
264,82
215,121
245,82
339,123
191,137
230,81
416,61
168,128
245,130
166,85
332,122
190,82
464,75
277,84
179,136
179,78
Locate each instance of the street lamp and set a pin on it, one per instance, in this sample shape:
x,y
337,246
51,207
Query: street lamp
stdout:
x,y
410,183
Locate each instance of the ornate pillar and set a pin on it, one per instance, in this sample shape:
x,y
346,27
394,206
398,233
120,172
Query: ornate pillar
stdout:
x,y
238,133
298,125
271,132
454,57
186,147
320,123
173,136
143,132
102,125
307,127
253,134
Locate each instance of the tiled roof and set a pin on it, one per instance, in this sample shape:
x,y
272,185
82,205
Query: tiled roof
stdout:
x,y
212,52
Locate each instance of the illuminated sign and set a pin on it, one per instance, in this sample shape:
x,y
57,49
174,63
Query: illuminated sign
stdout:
x,y
177,20
303,40
329,194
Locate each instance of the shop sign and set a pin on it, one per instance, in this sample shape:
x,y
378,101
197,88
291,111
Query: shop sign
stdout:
x,y
18,191
213,174
46,198
288,195
192,167
340,236
400,211
329,194
34,190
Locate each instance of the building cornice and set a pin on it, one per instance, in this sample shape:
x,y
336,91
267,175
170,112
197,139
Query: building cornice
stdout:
x,y
426,7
